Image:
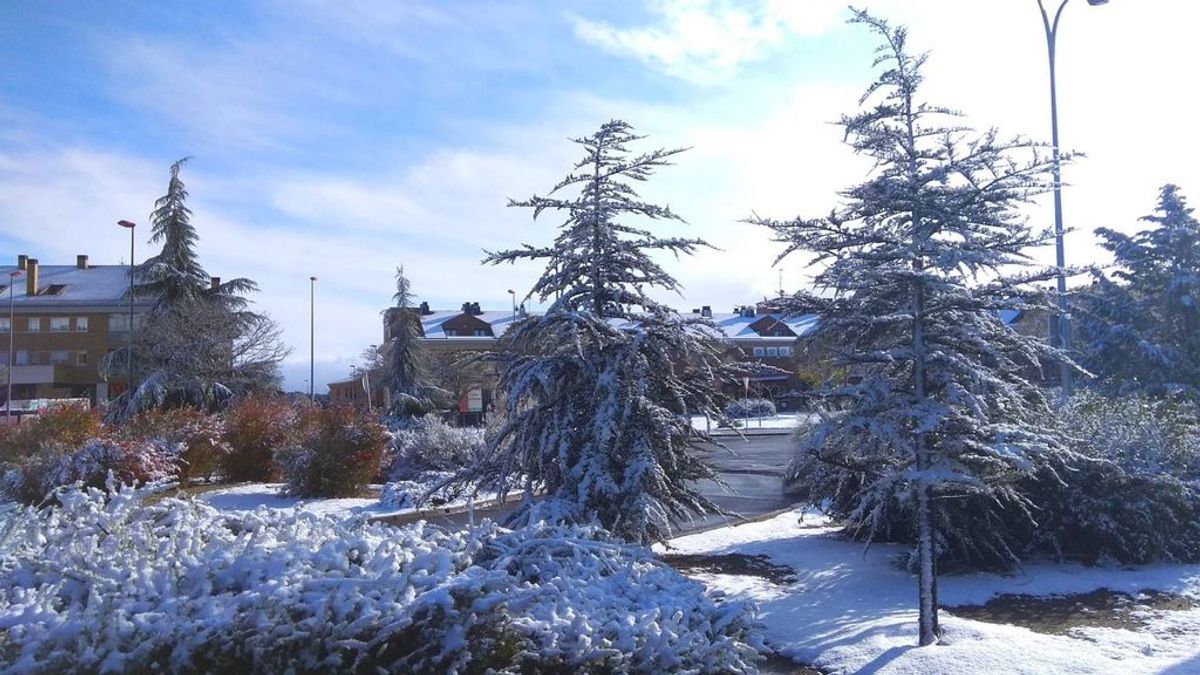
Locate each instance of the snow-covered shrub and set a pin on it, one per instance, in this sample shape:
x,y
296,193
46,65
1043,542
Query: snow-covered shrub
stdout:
x,y
1134,494
61,427
198,435
750,407
1128,491
337,458
37,476
430,444
432,488
255,429
110,583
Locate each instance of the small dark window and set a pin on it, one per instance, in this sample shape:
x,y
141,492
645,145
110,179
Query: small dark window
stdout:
x,y
53,289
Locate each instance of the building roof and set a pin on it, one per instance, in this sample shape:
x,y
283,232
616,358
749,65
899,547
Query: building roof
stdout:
x,y
94,286
732,326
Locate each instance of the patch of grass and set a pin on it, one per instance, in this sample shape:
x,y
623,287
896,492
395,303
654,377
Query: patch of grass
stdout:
x,y
1058,615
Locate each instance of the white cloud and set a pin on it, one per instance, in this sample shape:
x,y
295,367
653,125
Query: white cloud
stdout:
x,y
706,41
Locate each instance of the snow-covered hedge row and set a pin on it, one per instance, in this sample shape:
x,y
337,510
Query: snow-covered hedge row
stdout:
x,y
110,583
750,407
35,478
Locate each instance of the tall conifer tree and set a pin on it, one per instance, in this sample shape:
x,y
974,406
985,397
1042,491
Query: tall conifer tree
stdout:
x,y
911,283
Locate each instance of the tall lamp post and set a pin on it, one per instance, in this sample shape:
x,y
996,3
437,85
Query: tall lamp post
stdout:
x,y
312,338
1064,315
131,226
12,280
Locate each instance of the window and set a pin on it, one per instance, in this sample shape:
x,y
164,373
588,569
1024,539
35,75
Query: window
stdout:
x,y
23,357
53,289
772,351
81,325
34,325
450,332
119,323
785,351
480,332
60,357
5,325
81,358
60,324
759,351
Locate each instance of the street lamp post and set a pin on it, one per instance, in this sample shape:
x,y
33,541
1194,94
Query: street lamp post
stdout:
x,y
312,337
1064,315
131,226
12,279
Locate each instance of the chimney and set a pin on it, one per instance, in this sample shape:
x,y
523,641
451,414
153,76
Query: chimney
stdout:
x,y
706,311
466,308
22,262
214,283
695,311
31,277
425,309
81,261
475,309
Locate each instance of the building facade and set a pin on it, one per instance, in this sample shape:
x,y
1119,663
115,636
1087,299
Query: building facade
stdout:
x,y
61,320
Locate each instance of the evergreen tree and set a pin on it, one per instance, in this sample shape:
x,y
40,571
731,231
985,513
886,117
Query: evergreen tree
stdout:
x,y
599,392
403,377
199,345
942,409
174,278
1142,326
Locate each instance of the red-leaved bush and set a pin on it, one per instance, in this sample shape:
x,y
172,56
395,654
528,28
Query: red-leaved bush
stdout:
x,y
338,456
255,429
197,437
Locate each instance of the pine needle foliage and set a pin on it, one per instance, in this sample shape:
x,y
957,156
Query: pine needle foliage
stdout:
x,y
1142,323
600,389
942,410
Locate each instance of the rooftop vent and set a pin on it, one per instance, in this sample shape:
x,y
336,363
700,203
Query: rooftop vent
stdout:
x,y
81,261
22,262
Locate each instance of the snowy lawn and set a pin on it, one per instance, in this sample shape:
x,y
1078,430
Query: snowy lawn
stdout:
x,y
247,497
846,612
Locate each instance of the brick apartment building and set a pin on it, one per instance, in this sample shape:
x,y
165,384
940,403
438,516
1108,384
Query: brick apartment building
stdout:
x,y
65,318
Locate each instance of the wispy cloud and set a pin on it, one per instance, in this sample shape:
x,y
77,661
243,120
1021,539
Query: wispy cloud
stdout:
x,y
707,41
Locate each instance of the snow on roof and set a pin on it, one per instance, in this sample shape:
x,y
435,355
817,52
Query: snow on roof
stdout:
x,y
732,326
99,285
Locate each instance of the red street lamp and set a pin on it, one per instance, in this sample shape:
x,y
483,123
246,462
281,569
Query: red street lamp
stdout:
x,y
131,226
12,280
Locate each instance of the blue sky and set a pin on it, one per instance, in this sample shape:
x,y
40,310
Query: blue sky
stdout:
x,y
344,138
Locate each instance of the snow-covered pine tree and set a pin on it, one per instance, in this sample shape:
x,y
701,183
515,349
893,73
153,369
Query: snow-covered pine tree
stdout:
x,y
940,403
199,344
403,376
599,391
1142,326
174,277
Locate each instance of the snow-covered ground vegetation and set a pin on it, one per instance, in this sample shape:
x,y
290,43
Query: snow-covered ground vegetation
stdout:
x,y
750,407
110,583
849,610
337,457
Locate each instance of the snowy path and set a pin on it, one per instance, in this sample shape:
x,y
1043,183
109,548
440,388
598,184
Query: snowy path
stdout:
x,y
250,496
853,613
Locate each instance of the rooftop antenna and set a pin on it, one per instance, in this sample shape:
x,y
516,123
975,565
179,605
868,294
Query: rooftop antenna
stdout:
x,y
781,284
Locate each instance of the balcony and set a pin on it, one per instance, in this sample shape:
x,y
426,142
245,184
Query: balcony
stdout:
x,y
29,374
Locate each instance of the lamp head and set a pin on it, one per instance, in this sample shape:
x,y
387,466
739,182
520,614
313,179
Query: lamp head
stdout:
x,y
127,224
1097,3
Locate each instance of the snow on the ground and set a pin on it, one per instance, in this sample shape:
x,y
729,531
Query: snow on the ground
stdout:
x,y
250,496
855,612
780,421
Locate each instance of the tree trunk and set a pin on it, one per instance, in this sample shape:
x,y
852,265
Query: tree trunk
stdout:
x,y
927,579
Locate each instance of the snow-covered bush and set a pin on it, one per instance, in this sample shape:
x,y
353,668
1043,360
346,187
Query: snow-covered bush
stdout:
x,y
61,427
32,480
337,458
255,429
432,488
1134,493
430,444
109,583
197,435
750,407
